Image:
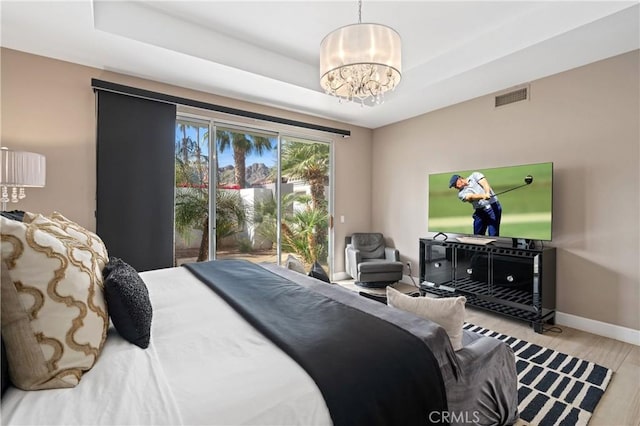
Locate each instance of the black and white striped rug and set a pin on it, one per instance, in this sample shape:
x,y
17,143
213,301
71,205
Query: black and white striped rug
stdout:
x,y
553,388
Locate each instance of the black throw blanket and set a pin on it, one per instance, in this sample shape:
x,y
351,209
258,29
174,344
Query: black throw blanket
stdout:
x,y
369,371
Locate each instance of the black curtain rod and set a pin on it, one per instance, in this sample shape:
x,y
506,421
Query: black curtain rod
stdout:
x,y
162,97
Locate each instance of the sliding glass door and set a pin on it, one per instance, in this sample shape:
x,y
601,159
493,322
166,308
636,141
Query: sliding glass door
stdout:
x,y
271,199
305,198
246,172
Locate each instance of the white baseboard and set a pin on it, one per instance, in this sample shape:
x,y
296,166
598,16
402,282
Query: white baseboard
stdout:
x,y
628,335
340,276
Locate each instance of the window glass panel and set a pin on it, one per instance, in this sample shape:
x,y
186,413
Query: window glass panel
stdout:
x,y
305,167
192,191
245,196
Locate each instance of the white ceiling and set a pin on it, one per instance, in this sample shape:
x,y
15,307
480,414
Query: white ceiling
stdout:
x,y
267,52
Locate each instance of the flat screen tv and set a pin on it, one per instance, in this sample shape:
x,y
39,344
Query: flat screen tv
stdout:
x,y
524,194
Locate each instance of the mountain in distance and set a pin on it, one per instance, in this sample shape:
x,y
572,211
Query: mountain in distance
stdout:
x,y
254,173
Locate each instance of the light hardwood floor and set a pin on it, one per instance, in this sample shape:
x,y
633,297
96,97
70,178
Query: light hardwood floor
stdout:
x,y
620,405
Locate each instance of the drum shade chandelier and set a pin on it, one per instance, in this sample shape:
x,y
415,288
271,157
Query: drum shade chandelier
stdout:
x,y
360,62
20,170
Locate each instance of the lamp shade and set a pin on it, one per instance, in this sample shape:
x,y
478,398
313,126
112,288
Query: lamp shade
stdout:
x,y
22,169
360,60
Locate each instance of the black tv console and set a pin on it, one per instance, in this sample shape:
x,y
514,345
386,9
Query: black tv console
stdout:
x,y
517,282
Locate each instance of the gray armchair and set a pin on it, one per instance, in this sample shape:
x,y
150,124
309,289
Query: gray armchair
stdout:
x,y
370,262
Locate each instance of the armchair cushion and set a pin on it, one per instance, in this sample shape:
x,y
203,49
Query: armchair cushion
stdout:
x,y
370,245
378,266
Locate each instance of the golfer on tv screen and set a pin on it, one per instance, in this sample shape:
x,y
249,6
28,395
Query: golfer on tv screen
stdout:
x,y
487,211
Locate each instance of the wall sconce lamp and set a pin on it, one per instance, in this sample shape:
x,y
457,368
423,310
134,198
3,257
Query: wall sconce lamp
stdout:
x,y
20,170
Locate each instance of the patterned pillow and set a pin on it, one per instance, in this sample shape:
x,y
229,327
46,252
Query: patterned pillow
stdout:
x,y
82,235
54,316
76,231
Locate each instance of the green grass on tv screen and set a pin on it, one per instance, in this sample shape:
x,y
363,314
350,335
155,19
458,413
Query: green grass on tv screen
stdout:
x,y
526,211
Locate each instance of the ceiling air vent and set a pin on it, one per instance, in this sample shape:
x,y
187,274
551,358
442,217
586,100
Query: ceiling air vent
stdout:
x,y
511,97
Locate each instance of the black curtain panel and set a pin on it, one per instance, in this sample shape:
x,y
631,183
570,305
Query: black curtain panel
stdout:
x,y
136,179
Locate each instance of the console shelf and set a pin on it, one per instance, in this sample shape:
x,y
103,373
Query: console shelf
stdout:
x,y
519,283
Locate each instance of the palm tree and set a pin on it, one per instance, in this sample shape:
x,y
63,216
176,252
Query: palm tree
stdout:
x,y
192,194
299,234
298,228
242,145
191,164
310,163
192,212
185,143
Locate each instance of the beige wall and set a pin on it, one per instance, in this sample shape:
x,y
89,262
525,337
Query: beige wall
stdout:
x,y
48,106
586,121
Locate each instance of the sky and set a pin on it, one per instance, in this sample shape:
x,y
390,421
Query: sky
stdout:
x,y
226,158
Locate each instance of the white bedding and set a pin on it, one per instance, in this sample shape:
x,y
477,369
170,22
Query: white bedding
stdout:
x,y
205,365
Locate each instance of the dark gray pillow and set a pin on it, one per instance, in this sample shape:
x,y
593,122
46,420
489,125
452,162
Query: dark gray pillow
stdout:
x,y
6,382
318,272
113,263
128,302
13,215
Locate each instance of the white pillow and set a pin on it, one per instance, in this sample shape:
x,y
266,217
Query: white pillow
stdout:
x,y
294,264
448,312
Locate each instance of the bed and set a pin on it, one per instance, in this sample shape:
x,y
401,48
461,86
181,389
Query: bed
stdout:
x,y
208,364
